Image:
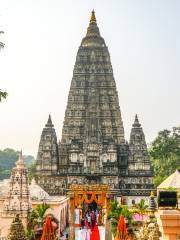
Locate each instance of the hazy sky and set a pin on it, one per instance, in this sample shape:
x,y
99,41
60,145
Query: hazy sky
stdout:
x,y
42,38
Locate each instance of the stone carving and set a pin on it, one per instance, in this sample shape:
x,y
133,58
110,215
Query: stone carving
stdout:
x,y
18,198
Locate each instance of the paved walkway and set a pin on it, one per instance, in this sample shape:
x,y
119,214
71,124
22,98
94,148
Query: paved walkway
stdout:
x,y
83,233
64,232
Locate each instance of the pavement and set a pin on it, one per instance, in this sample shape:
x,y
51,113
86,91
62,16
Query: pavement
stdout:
x,y
83,231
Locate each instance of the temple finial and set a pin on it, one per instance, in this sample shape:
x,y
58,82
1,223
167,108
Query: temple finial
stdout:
x,y
92,31
20,155
136,122
136,118
20,162
93,17
49,122
49,119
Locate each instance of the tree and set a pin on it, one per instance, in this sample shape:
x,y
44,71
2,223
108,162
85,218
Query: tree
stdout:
x,y
2,94
37,218
165,154
141,207
41,210
115,212
8,158
31,171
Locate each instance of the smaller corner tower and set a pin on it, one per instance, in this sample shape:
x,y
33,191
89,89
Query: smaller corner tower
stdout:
x,y
47,157
139,165
138,158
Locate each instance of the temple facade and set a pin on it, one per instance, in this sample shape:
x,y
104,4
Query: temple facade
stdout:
x,y
93,149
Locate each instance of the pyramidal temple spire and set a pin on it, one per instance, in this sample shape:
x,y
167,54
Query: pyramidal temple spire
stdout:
x,y
92,148
20,162
49,122
136,122
93,17
93,29
20,155
47,157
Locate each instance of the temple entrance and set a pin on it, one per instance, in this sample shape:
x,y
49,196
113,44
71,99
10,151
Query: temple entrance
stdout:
x,y
89,205
93,206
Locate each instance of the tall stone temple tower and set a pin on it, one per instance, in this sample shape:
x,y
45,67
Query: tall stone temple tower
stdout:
x,y
18,198
47,159
93,148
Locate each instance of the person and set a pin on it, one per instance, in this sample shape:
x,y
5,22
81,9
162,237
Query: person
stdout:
x,y
96,212
100,218
86,222
93,219
82,223
61,233
87,234
89,220
86,214
80,234
95,233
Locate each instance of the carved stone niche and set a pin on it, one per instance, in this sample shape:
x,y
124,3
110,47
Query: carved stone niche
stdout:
x,y
112,156
104,157
74,157
81,158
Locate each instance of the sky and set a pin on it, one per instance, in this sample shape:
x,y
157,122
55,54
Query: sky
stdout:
x,y
41,42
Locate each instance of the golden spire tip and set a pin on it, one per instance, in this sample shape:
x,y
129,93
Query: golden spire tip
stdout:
x,y
93,17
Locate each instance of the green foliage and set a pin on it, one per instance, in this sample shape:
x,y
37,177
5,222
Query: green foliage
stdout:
x,y
1,45
2,94
32,221
8,158
36,219
114,214
31,171
165,154
41,209
141,207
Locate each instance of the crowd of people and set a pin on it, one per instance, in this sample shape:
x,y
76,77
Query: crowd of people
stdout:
x,y
90,218
88,229
89,225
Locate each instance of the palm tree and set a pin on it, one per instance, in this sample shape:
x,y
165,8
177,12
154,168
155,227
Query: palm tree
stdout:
x,y
40,212
115,212
37,218
141,208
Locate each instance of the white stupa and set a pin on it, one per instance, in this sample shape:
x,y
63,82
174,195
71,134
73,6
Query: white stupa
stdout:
x,y
37,193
